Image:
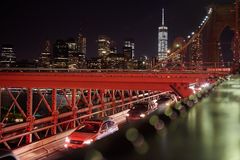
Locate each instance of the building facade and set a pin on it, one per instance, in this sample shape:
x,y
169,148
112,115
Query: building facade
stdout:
x,y
129,48
60,54
45,57
162,40
81,50
104,43
8,56
73,55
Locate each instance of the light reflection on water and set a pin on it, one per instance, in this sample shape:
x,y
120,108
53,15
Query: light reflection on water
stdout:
x,y
211,130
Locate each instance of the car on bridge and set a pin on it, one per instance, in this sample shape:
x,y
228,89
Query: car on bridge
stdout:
x,y
166,100
141,110
90,131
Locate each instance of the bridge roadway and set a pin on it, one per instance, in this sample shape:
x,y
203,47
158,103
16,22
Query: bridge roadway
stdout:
x,y
208,131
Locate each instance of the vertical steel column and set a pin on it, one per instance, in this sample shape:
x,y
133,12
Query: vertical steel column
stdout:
x,y
102,101
30,118
130,95
90,105
122,98
137,92
54,111
113,101
74,108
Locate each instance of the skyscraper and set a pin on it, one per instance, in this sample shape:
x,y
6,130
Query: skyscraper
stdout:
x,y
81,47
162,39
129,48
103,46
73,55
113,47
60,54
8,57
45,57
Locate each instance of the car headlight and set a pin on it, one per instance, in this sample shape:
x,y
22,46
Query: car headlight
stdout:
x,y
142,115
67,140
89,141
127,114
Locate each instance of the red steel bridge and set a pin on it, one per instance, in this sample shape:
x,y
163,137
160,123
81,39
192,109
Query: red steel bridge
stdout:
x,y
39,103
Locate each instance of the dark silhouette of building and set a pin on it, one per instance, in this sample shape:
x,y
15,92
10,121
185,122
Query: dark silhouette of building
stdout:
x,y
60,54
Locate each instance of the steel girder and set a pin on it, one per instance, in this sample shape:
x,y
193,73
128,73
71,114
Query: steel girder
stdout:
x,y
51,111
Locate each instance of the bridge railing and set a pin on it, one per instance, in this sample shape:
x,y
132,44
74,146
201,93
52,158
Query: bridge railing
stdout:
x,y
185,67
13,136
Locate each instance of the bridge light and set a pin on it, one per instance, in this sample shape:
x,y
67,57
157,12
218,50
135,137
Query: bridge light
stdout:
x,y
67,140
193,33
142,115
188,36
210,11
87,142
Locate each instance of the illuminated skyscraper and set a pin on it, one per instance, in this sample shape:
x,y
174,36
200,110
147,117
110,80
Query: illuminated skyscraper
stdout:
x,y
162,39
73,55
113,47
60,54
103,46
81,47
45,57
129,48
8,57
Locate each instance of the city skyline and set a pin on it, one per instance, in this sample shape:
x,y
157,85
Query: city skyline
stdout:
x,y
28,25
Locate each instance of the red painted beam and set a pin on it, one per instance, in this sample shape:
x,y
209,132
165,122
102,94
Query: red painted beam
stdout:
x,y
134,81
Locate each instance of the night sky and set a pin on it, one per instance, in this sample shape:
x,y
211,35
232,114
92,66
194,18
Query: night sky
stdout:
x,y
27,24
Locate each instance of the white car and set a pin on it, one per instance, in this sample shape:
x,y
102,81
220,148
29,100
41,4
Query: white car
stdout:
x,y
90,131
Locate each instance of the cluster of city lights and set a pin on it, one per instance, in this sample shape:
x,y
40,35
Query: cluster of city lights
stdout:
x,y
203,22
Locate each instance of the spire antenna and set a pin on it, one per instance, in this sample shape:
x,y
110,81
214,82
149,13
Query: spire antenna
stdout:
x,y
162,16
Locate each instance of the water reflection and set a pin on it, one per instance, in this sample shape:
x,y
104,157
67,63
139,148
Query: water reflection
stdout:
x,y
209,131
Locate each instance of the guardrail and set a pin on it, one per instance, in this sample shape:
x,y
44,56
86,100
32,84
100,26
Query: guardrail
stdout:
x,y
185,69
33,146
49,145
